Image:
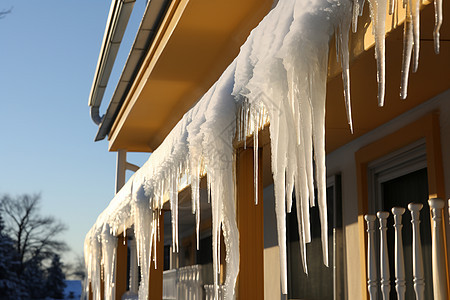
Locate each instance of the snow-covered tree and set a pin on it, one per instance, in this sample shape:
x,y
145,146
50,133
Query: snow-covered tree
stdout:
x,y
34,242
55,279
34,278
34,236
11,287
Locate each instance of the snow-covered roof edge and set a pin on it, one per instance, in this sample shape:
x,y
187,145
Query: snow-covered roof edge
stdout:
x,y
281,73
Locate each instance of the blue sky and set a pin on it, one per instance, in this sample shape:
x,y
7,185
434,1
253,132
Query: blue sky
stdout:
x,y
48,54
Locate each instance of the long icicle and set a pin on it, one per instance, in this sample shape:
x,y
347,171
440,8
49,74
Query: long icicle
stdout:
x,y
407,52
415,11
378,17
255,154
343,33
437,24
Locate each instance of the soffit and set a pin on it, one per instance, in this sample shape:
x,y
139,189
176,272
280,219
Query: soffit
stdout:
x,y
196,42
207,38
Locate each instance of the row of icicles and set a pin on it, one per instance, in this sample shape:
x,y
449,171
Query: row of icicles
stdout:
x,y
297,134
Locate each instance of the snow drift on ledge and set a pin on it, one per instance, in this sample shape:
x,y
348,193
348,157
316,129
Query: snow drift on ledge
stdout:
x,y
279,75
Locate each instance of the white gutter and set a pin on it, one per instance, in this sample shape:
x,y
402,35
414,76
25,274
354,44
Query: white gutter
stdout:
x,y
154,13
119,15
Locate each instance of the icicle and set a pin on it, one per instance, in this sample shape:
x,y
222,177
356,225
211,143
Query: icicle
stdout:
x,y
301,233
307,140
173,196
392,5
343,33
289,190
437,24
280,212
378,17
407,51
255,158
109,248
318,82
246,124
415,11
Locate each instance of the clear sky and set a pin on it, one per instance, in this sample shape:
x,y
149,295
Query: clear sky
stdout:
x,y
48,54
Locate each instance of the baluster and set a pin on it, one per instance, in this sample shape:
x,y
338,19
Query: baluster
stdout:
x,y
400,283
371,259
438,259
384,256
418,274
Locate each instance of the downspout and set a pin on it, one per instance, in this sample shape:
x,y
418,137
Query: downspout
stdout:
x,y
119,15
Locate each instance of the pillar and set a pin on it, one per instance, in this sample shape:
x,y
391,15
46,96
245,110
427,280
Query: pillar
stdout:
x,y
121,267
250,220
156,275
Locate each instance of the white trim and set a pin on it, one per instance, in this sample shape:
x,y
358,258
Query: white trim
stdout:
x,y
396,164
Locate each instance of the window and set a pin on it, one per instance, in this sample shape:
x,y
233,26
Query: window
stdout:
x,y
321,282
398,179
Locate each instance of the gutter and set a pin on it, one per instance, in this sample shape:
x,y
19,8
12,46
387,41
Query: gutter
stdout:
x,y
119,15
154,13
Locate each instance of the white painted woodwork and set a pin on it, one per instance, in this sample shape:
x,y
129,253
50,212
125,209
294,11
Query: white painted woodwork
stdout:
x,y
400,283
121,169
371,259
190,283
418,274
438,257
384,255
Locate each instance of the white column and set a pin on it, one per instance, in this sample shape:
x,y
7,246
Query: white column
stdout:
x,y
400,283
384,256
134,276
121,167
371,259
418,274
438,257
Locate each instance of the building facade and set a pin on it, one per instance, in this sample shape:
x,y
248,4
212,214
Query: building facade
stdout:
x,y
242,105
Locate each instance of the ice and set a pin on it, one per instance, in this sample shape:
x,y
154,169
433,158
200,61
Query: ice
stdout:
x,y
144,231
109,248
415,11
280,77
407,51
392,5
437,24
342,41
378,17
174,209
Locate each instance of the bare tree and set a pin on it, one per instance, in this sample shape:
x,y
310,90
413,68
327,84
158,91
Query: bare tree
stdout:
x,y
35,236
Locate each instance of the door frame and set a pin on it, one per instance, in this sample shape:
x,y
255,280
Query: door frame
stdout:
x,y
426,128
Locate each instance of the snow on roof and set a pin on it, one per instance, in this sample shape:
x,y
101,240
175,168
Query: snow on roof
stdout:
x,y
280,74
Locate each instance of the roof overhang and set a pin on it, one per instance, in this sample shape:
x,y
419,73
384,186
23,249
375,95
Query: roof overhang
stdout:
x,y
195,42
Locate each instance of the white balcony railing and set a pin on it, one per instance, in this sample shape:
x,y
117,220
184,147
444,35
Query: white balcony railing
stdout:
x,y
382,284
183,284
209,292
